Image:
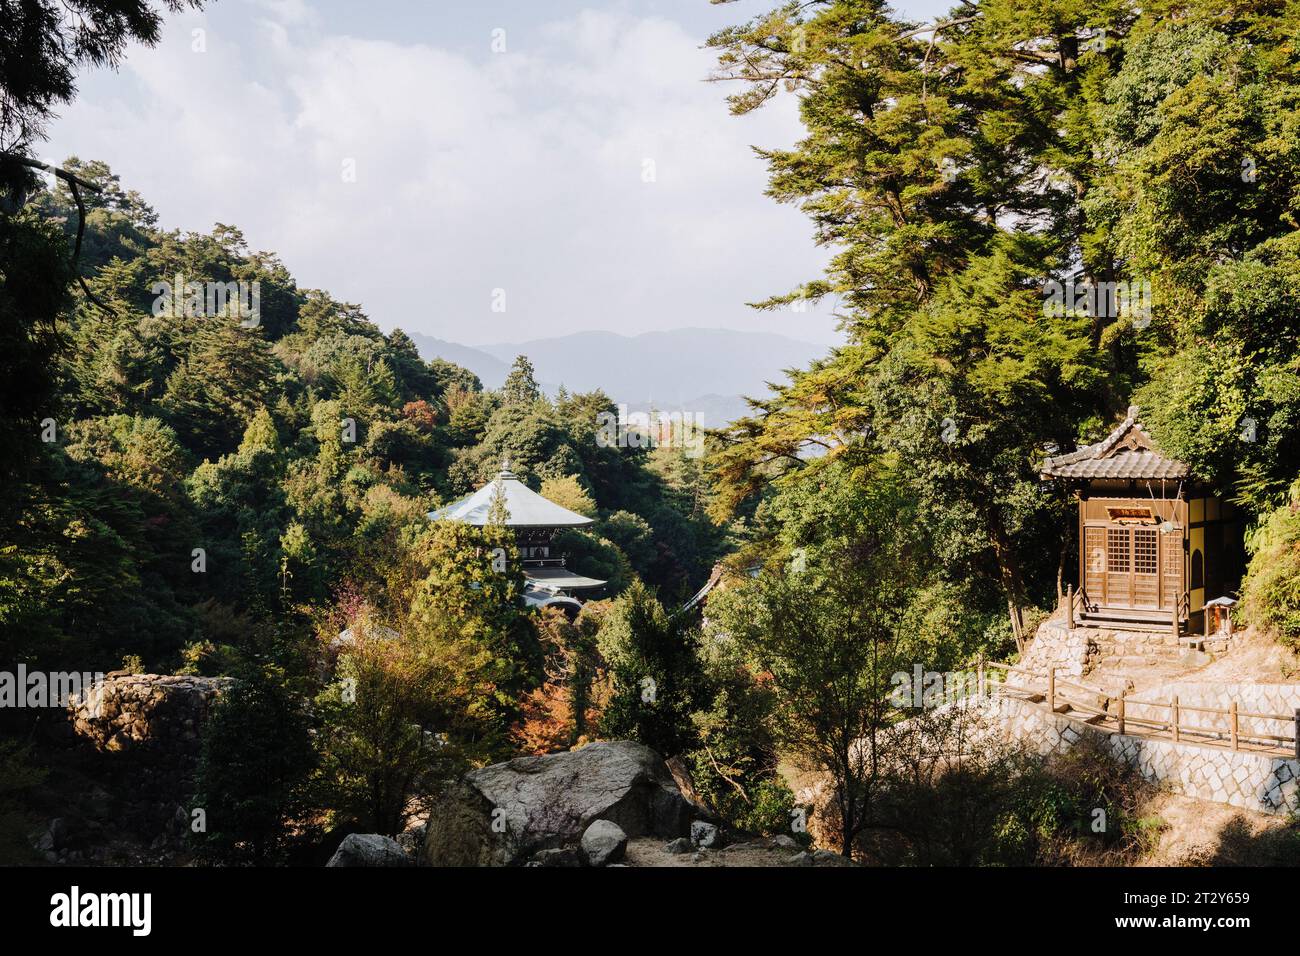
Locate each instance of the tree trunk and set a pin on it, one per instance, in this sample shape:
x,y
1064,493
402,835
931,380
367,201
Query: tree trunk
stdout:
x,y
1012,584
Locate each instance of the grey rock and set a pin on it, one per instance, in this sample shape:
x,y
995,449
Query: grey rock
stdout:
x,y
411,839
369,849
830,858
556,856
680,845
59,833
705,834
503,814
603,842
786,842
802,858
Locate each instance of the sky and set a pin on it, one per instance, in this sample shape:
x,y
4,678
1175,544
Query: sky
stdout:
x,y
482,172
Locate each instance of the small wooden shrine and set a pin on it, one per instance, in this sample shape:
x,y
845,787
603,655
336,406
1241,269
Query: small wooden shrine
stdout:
x,y
1155,546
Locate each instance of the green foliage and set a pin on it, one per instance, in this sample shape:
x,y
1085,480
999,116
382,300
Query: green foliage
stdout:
x,y
989,804
960,172
734,765
377,744
567,492
19,775
33,293
1271,589
653,673
254,767
520,388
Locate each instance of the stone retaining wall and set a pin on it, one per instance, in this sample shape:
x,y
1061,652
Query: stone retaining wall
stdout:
x,y
1261,782
1056,645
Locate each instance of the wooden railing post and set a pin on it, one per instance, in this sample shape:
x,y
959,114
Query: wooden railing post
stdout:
x,y
979,676
1297,733
1232,714
1069,597
1173,716
1119,713
1174,625
1051,689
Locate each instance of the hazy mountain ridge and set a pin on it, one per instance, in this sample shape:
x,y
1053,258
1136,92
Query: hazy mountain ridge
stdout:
x,y
704,371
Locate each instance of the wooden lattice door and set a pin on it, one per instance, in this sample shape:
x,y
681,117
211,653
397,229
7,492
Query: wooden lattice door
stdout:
x,y
1146,568
1171,570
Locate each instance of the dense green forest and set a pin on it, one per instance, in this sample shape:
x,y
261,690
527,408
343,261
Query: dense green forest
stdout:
x,y
194,493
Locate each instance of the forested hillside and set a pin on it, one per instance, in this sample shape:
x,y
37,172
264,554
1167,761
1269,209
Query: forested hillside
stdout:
x,y
175,433
222,494
225,493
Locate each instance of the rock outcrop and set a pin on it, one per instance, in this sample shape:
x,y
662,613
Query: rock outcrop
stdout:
x,y
504,814
369,849
160,714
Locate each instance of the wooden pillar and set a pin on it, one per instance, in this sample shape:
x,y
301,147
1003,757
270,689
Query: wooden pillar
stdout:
x,y
1051,689
1069,597
1174,624
1173,716
1232,714
979,676
1119,713
1297,733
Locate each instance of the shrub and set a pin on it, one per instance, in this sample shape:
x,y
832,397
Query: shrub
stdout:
x,y
255,762
1271,590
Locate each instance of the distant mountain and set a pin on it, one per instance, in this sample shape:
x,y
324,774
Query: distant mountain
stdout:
x,y
490,370
705,371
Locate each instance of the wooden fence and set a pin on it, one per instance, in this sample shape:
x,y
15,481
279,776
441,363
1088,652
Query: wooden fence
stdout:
x,y
1242,730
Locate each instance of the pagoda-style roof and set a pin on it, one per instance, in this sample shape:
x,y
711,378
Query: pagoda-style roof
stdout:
x,y
527,509
1127,452
560,579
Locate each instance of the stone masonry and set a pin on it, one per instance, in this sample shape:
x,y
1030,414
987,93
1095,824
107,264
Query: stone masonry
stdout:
x,y
1264,783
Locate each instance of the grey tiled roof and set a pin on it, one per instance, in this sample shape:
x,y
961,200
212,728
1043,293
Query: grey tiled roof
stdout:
x,y
525,508
1127,452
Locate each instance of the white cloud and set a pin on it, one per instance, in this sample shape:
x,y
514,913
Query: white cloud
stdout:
x,y
474,171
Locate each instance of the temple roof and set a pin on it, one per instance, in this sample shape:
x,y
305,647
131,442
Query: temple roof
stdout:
x,y
560,578
1127,452
526,508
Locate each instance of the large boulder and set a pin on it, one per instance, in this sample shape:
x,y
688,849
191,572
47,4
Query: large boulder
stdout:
x,y
503,814
369,849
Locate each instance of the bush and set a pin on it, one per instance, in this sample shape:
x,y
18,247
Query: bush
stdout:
x,y
254,767
18,776
1001,805
653,672
1271,590
393,722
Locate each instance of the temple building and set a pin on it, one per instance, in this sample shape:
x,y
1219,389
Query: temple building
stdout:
x,y
1155,545
534,519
